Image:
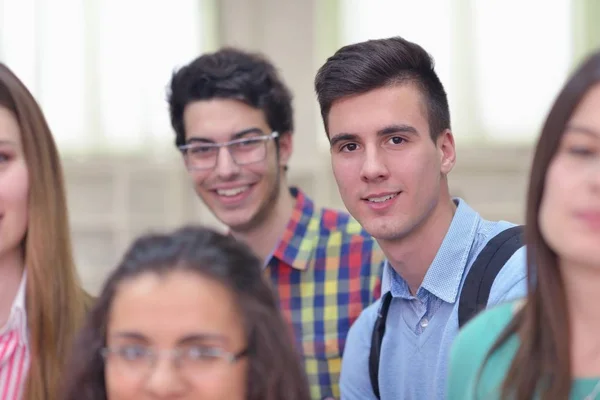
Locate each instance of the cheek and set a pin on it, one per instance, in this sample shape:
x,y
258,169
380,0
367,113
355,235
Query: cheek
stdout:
x,y
119,386
231,385
14,183
14,193
554,204
421,169
241,379
265,174
345,172
266,167
198,178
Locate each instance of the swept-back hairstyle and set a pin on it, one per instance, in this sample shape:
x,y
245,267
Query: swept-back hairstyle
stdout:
x,y
54,299
275,372
542,363
361,67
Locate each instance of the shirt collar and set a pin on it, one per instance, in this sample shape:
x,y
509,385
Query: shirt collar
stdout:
x,y
17,318
297,244
445,273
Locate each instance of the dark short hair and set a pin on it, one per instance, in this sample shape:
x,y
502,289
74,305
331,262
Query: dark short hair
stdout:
x,y
274,367
231,74
361,67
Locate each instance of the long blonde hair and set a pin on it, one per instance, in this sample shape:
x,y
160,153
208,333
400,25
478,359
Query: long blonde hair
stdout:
x,y
55,301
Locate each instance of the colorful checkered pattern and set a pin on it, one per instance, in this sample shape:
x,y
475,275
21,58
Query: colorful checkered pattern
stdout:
x,y
326,270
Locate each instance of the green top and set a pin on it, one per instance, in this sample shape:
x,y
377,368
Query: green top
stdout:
x,y
472,346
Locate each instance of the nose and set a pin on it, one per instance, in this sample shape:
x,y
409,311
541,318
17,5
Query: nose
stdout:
x,y
373,168
226,167
165,381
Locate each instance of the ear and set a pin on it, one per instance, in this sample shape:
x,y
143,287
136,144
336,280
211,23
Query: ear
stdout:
x,y
285,148
447,151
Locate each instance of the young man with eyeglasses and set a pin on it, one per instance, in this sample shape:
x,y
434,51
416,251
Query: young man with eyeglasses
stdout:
x,y
232,115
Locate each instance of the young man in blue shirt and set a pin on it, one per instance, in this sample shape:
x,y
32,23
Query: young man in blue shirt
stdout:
x,y
387,118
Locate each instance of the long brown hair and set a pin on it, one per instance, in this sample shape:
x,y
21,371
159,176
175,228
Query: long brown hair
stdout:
x,y
542,363
274,366
55,301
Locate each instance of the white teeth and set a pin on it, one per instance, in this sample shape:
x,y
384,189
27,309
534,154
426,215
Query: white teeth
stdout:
x,y
382,199
232,192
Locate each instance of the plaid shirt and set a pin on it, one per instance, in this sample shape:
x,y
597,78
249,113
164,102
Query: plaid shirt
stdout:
x,y
326,269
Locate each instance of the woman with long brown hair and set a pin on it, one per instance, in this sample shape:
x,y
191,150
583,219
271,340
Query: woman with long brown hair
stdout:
x,y
186,315
548,346
42,304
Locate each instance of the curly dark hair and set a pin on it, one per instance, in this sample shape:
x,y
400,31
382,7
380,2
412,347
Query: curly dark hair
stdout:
x,y
275,371
231,74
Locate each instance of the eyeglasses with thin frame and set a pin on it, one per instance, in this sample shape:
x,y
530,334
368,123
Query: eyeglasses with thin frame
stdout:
x,y
192,361
203,156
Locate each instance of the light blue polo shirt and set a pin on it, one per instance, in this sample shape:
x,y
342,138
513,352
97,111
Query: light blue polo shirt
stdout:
x,y
420,329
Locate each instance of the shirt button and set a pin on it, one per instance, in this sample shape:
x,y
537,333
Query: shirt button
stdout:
x,y
424,323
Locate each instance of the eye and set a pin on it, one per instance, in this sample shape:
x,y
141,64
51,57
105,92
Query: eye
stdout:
x,y
200,150
202,353
348,147
4,157
581,151
133,353
397,140
248,144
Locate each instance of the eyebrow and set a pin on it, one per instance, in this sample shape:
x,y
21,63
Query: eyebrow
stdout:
x,y
202,337
388,130
582,129
195,337
7,142
130,335
237,135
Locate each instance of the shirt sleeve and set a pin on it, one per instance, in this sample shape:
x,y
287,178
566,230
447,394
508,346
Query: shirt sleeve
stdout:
x,y
355,383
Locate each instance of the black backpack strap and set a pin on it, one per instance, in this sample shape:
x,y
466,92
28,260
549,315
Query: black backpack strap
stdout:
x,y
478,283
376,340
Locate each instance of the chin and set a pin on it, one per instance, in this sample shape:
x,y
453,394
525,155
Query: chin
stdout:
x,y
240,222
587,257
381,230
236,224
382,233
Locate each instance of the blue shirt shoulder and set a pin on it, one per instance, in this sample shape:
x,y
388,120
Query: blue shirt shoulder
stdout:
x,y
421,327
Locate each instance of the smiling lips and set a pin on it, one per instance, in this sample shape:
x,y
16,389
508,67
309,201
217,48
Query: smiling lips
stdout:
x,y
380,198
230,192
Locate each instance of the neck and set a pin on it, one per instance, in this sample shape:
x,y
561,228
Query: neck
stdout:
x,y
581,288
11,272
411,255
263,238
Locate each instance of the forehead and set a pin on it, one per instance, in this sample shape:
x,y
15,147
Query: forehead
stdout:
x,y
588,110
366,113
219,119
9,127
174,302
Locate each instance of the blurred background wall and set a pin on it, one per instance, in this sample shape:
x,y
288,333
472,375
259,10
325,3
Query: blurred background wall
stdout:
x,y
99,68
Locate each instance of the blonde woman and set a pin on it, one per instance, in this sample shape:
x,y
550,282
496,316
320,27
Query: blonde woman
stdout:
x,y
41,301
